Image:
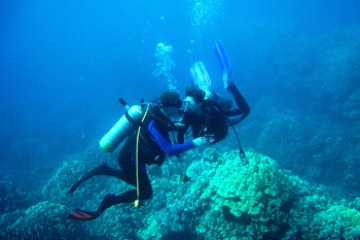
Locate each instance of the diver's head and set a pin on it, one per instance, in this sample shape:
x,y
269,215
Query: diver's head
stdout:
x,y
196,93
194,97
170,103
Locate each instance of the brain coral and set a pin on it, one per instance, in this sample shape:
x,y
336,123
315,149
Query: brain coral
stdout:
x,y
256,195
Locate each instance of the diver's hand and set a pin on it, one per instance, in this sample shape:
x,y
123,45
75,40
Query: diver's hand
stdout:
x,y
179,124
200,141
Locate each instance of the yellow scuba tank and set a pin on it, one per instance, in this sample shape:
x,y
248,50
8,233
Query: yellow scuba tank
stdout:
x,y
123,128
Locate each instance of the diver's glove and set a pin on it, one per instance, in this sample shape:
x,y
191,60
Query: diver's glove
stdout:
x,y
179,124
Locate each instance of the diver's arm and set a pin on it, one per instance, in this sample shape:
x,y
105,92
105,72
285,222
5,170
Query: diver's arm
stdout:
x,y
165,145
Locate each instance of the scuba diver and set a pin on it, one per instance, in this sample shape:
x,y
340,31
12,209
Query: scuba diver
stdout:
x,y
208,116
147,146
207,113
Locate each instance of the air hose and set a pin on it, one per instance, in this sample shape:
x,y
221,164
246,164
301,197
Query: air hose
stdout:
x,y
241,151
137,203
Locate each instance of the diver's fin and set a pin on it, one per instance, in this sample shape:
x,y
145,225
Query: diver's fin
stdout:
x,y
200,76
100,170
224,62
81,215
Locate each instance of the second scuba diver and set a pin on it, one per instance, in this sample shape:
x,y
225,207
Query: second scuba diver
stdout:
x,y
154,143
210,116
207,113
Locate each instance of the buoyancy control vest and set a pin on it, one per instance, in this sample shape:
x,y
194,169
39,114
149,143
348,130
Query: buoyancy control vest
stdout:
x,y
152,153
216,123
212,124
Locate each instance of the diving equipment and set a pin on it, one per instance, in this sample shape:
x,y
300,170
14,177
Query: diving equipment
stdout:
x,y
202,80
124,127
224,62
200,76
81,215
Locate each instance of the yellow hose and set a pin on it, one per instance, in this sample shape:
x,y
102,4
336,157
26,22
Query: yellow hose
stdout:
x,y
137,201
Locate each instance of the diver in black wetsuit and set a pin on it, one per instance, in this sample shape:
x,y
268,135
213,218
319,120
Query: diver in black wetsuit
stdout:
x,y
154,144
209,117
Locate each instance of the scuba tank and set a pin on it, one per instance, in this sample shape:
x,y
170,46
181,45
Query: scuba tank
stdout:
x,y
122,128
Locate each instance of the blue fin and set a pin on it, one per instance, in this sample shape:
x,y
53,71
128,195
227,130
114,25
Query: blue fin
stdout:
x,y
224,62
200,76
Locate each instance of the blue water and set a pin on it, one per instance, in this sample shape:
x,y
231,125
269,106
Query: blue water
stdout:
x,y
64,64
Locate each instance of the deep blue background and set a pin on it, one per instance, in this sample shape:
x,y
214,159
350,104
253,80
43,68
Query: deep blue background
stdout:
x,y
63,64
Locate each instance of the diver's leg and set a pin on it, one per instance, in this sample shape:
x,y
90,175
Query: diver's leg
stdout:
x,y
103,169
239,99
127,164
125,157
145,192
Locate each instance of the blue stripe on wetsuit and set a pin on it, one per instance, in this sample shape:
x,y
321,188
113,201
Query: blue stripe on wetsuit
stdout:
x,y
165,145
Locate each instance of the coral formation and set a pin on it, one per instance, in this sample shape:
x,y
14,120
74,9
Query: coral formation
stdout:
x,y
253,193
44,220
13,197
220,198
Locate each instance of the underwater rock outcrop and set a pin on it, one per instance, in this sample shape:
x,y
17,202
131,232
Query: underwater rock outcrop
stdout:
x,y
44,220
220,198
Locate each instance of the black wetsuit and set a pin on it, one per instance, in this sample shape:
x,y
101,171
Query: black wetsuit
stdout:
x,y
214,122
152,150
154,143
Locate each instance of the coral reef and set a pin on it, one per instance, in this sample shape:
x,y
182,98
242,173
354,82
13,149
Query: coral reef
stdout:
x,y
307,116
44,220
220,198
254,193
13,198
62,180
